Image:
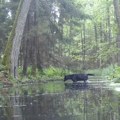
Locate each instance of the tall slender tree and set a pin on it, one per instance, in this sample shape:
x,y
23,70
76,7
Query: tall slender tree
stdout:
x,y
117,15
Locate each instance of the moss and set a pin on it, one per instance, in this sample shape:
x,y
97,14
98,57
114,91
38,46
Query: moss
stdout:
x,y
8,49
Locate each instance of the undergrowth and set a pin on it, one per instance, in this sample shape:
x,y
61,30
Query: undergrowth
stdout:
x,y
111,72
50,73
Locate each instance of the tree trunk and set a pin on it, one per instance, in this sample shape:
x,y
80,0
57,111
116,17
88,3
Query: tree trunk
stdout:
x,y
109,25
18,36
83,47
96,42
25,47
117,15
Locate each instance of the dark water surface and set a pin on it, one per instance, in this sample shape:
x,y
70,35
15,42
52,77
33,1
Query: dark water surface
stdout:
x,y
59,101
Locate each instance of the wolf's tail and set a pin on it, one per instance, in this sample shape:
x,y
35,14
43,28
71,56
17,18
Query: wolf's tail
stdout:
x,y
91,74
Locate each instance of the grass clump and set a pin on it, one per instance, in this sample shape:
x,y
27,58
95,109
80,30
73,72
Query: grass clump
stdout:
x,y
54,71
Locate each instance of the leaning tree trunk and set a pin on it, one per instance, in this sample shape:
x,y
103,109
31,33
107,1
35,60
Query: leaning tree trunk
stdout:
x,y
18,36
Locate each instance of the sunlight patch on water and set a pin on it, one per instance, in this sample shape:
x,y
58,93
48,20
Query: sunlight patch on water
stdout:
x,y
117,89
115,86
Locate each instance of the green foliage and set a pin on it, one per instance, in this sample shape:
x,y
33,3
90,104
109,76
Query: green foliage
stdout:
x,y
77,37
97,72
108,71
106,50
54,71
116,74
111,72
5,25
2,67
50,73
29,74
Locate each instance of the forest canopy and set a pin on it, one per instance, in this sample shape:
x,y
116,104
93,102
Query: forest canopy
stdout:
x,y
68,34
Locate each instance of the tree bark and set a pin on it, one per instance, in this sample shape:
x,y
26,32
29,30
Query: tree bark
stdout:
x,y
18,37
109,24
117,15
83,47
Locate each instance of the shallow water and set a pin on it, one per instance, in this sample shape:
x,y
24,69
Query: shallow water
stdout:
x,y
59,101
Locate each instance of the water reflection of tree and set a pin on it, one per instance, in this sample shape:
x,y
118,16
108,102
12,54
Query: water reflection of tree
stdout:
x,y
6,110
73,105
87,104
105,104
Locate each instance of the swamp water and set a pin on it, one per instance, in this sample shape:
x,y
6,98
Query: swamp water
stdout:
x,y
59,101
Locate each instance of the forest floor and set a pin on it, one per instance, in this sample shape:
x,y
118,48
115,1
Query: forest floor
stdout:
x,y
4,80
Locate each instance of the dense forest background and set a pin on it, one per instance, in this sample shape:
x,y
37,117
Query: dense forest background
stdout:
x,y
75,35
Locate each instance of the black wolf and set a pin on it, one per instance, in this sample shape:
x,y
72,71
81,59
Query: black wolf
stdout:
x,y
77,77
